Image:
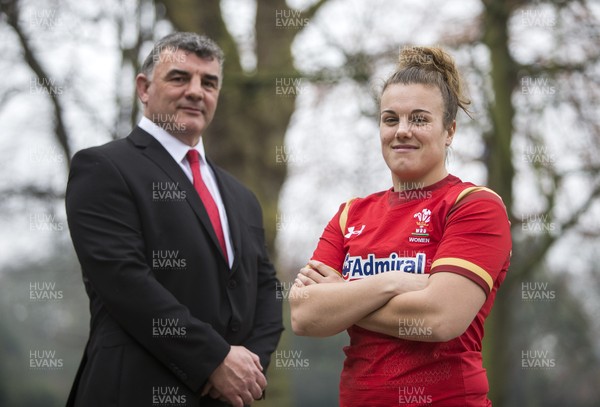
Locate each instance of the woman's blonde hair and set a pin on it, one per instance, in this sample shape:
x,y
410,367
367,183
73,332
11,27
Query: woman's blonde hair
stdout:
x,y
432,66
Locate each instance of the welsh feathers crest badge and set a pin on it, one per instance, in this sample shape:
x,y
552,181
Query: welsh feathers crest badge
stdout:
x,y
422,219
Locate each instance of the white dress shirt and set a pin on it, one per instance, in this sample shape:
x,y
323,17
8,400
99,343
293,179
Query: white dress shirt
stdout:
x,y
178,150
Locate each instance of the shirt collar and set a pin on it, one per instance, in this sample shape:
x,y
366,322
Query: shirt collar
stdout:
x,y
175,147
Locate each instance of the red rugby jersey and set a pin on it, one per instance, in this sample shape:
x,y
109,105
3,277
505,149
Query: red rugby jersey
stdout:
x,y
450,226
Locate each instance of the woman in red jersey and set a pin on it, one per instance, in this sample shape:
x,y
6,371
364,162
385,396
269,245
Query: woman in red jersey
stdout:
x,y
412,272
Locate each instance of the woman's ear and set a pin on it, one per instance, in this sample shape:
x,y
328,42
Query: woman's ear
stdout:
x,y
450,136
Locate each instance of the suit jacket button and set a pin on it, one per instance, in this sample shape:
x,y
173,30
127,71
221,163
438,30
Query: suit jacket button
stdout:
x,y
231,284
235,326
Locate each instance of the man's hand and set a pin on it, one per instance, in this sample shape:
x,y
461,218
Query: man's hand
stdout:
x,y
238,379
316,272
212,392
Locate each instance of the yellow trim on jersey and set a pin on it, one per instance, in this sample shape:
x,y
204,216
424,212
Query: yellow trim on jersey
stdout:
x,y
344,215
471,190
467,265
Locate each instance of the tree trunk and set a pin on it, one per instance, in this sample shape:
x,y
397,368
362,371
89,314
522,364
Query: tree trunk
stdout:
x,y
245,140
500,178
251,119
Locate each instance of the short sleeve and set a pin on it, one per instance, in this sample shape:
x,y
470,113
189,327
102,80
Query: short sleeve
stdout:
x,y
476,242
330,249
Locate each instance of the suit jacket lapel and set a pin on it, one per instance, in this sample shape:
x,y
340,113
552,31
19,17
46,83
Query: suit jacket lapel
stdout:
x,y
155,152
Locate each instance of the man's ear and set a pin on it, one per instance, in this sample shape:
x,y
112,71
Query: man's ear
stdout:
x,y
141,84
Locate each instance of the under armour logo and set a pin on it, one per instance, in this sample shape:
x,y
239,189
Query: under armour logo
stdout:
x,y
351,231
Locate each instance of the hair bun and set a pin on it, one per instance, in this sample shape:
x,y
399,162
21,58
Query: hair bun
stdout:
x,y
428,58
432,66
414,56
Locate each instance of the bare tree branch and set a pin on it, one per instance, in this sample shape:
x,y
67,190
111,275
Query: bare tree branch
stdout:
x,y
7,95
127,106
554,69
542,247
31,191
312,10
11,10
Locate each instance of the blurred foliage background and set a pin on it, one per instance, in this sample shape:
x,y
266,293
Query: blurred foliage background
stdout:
x,y
297,122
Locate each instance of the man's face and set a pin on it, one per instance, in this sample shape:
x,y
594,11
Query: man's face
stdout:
x,y
181,94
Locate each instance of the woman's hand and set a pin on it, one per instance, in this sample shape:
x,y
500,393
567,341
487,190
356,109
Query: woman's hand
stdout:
x,y
316,272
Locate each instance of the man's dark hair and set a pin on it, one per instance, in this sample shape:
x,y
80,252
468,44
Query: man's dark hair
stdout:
x,y
200,45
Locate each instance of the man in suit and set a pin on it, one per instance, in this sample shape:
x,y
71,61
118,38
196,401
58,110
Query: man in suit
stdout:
x,y
183,297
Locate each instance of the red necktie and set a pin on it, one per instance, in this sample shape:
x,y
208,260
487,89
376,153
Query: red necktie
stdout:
x,y
207,199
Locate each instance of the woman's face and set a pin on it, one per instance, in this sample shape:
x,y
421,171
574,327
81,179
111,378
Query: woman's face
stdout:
x,y
413,137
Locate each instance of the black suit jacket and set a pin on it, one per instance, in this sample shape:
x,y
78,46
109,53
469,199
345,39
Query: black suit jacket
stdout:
x,y
165,307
